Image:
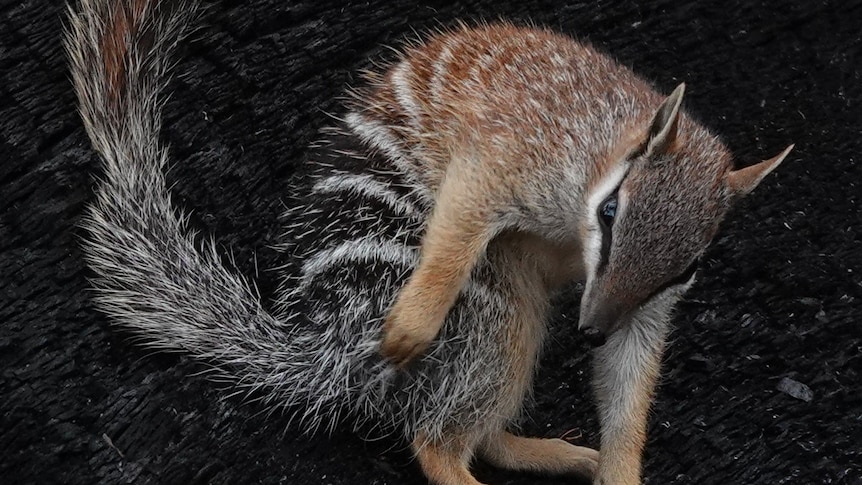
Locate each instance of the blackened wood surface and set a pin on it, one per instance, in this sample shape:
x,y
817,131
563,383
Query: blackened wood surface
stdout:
x,y
780,295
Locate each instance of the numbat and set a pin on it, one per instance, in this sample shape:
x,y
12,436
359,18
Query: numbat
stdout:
x,y
483,170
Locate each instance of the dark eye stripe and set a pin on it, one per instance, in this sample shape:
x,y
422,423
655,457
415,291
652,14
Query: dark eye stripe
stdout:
x,y
608,210
606,214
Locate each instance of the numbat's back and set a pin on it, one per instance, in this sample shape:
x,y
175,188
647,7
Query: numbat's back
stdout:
x,y
465,184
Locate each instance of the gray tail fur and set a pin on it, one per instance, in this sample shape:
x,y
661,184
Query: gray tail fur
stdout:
x,y
151,277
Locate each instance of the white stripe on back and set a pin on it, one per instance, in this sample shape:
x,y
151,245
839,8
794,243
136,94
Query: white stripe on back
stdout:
x,y
369,250
366,185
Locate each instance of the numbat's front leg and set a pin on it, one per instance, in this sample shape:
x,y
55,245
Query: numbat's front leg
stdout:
x,y
626,370
459,229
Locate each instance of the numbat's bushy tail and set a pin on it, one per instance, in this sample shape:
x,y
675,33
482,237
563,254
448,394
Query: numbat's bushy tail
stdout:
x,y
152,276
482,171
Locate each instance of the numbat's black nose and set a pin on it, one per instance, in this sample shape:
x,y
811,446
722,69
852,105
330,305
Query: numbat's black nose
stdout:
x,y
594,336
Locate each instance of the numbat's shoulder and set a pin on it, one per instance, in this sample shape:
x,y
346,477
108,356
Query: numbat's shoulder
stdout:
x,y
505,64
475,82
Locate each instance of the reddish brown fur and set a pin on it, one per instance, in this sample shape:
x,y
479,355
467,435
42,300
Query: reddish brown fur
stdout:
x,y
124,24
470,111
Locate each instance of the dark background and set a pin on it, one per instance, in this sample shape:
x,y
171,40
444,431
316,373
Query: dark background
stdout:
x,y
779,295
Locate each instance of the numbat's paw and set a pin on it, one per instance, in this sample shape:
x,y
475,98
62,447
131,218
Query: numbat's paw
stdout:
x,y
585,461
406,337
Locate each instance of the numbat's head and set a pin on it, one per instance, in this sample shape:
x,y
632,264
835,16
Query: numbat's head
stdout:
x,y
651,214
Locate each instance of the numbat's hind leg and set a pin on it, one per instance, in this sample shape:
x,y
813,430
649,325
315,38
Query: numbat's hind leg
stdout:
x,y
552,456
445,464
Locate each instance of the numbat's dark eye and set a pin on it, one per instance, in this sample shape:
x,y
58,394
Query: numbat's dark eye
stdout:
x,y
608,210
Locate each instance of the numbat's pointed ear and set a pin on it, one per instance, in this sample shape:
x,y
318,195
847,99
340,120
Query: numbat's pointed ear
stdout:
x,y
662,130
742,181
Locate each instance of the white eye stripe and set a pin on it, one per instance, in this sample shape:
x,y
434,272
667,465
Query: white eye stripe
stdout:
x,y
609,184
593,243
